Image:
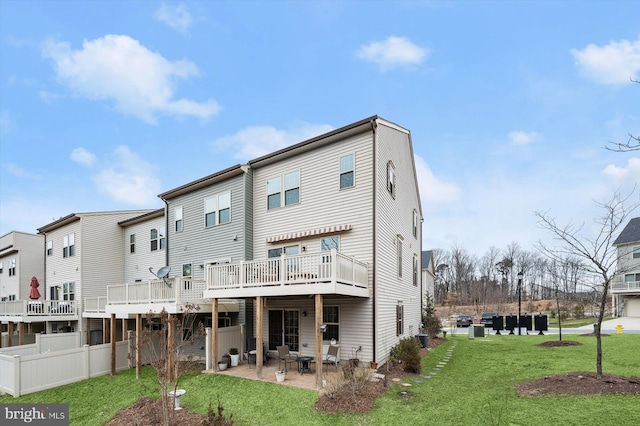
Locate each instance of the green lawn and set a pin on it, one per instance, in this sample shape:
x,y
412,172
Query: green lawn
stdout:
x,y
572,323
476,387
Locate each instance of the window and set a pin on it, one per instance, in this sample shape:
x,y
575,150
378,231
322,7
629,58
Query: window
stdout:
x,y
331,317
154,239
54,293
1,267
49,248
12,297
291,183
415,224
347,171
12,267
636,252
630,278
391,179
415,270
132,243
186,270
217,210
68,291
399,319
326,244
69,245
399,248
177,213
293,265
163,237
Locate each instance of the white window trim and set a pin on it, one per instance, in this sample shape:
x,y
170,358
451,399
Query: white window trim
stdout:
x,y
283,190
177,219
392,179
216,210
353,170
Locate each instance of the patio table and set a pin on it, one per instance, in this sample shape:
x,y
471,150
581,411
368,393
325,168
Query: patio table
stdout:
x,y
304,364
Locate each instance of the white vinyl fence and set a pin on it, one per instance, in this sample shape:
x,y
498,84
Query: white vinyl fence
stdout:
x,y
38,368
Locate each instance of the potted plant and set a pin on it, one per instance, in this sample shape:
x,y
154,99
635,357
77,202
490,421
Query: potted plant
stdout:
x,y
235,356
280,376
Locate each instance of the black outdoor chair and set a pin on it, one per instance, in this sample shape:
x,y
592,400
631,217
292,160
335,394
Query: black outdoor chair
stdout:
x,y
252,352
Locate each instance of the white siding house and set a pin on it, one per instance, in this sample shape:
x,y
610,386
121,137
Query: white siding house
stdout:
x,y
21,259
625,289
87,254
336,244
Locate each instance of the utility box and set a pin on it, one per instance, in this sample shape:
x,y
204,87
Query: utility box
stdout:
x,y
476,330
541,323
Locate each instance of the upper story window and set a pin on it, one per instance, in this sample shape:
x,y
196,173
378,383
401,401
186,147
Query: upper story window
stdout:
x,y
69,291
49,248
178,218
217,210
415,224
415,270
69,245
290,183
636,252
328,243
12,267
54,293
1,267
157,238
347,172
132,243
629,278
391,179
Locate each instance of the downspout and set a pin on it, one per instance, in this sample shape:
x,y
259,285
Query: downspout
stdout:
x,y
373,266
166,227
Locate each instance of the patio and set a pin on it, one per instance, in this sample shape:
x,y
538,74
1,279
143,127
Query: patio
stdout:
x,y
293,377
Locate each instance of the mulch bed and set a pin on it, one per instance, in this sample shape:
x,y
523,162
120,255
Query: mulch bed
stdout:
x,y
580,383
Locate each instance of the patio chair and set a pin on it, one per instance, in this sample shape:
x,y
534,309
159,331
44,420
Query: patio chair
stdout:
x,y
252,352
285,356
332,356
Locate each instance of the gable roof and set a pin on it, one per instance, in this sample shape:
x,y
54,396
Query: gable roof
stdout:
x,y
426,257
630,233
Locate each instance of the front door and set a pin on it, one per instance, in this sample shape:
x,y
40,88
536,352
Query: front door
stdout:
x,y
284,329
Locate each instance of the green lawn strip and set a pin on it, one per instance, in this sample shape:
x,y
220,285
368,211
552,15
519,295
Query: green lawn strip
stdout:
x,y
475,387
572,323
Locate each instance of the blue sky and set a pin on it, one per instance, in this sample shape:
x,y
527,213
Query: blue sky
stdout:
x,y
105,104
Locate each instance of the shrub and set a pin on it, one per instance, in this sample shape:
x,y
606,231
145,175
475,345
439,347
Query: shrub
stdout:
x,y
217,418
233,351
407,352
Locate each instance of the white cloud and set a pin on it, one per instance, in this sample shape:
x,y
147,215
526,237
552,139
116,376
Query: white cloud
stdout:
x,y
83,157
614,63
18,171
629,174
434,191
523,138
256,141
119,68
130,179
177,17
393,52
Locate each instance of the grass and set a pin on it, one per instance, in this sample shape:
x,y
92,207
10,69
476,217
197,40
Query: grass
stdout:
x,y
573,323
475,387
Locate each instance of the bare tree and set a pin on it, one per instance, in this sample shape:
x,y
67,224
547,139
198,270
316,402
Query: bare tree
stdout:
x,y
598,255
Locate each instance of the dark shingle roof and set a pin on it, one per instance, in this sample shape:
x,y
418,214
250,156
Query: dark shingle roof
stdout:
x,y
630,233
426,256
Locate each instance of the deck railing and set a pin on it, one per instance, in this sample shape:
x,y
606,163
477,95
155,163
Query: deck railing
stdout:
x,y
328,267
38,307
619,285
156,291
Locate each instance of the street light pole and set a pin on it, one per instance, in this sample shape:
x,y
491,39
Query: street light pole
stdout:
x,y
520,274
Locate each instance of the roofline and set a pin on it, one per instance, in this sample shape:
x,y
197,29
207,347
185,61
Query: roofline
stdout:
x,y
151,215
353,128
73,217
203,182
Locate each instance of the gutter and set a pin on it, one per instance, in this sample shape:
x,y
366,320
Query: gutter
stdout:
x,y
375,191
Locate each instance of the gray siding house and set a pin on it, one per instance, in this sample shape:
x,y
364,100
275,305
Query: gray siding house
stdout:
x,y
336,245
625,289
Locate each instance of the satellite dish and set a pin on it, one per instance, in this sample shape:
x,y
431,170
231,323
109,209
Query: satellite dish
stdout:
x,y
162,274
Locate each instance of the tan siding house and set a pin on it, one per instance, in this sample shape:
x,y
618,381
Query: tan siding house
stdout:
x,y
336,246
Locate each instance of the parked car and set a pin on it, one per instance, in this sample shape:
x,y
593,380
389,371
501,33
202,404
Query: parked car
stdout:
x,y
462,320
487,318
